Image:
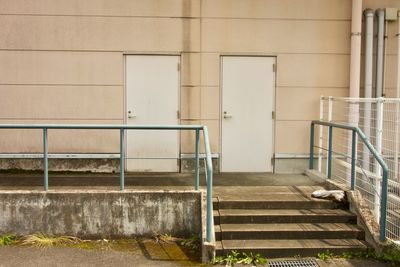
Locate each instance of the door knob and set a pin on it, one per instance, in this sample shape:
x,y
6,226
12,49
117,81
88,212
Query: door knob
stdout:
x,y
131,114
227,115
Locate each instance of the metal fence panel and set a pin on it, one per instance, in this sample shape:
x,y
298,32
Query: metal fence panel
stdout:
x,y
379,119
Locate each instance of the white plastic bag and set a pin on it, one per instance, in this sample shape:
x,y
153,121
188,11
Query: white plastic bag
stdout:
x,y
337,195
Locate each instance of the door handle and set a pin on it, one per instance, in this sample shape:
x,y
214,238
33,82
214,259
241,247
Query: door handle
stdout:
x,y
131,114
226,115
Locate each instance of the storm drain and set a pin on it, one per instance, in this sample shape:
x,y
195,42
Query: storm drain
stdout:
x,y
293,263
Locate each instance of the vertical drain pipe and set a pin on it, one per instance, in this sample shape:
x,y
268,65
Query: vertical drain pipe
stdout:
x,y
379,52
355,62
356,20
369,40
396,153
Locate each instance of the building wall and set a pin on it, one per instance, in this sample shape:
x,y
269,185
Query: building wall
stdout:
x,y
62,62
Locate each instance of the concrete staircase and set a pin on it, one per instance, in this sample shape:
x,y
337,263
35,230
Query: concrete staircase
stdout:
x,y
285,221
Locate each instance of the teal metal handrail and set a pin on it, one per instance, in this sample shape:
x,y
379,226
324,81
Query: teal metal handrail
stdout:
x,y
385,170
122,129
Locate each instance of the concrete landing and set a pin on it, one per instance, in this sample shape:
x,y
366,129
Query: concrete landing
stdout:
x,y
225,184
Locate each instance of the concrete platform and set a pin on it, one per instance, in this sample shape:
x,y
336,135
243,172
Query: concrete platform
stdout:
x,y
224,184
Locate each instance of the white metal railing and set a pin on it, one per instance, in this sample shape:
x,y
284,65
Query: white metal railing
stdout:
x,y
379,119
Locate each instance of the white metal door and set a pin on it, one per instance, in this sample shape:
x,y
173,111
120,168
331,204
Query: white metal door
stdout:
x,y
247,106
152,98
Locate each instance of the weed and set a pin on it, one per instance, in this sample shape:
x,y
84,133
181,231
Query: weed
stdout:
x,y
253,259
325,255
368,254
391,256
42,240
234,257
7,239
192,242
228,260
218,260
348,255
165,238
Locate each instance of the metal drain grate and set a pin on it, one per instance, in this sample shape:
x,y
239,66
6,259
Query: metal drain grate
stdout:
x,y
293,263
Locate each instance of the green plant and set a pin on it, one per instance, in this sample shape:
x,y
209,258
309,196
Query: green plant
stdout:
x,y
192,242
348,255
391,256
228,260
234,257
218,260
257,259
325,255
368,254
42,240
7,239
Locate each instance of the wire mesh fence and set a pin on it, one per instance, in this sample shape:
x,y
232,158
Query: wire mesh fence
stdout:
x,y
379,119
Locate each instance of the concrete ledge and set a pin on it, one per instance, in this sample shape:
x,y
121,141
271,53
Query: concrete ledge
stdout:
x,y
93,214
102,165
291,164
94,163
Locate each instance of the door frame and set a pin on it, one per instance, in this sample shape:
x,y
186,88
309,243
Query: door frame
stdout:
x,y
275,59
125,93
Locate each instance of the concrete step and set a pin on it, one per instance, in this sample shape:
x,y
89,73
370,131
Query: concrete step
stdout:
x,y
289,248
288,231
273,201
256,216
264,190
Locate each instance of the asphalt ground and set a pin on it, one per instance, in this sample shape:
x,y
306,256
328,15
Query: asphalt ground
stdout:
x,y
70,257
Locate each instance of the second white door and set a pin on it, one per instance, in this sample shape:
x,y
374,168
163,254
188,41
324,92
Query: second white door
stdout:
x,y
152,93
247,106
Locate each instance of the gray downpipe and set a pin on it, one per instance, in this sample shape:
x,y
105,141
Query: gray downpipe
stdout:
x,y
369,42
355,50
396,149
380,52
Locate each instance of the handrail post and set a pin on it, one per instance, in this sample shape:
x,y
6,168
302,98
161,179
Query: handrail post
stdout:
x,y
209,232
311,163
121,159
382,223
330,153
209,205
45,160
320,135
197,160
353,160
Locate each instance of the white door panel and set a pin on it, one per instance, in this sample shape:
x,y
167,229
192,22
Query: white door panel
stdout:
x,y
152,84
247,105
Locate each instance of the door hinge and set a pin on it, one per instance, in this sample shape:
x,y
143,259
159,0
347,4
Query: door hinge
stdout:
x,y
178,67
178,115
273,115
274,67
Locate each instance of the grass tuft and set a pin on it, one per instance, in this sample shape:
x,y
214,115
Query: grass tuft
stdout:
x,y
7,240
42,240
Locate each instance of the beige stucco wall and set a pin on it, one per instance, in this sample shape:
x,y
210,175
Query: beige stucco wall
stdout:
x,y
62,61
